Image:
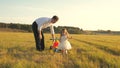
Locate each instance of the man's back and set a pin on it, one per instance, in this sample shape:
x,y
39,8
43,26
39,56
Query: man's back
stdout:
x,y
42,20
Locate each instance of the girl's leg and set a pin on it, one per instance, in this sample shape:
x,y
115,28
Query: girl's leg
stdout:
x,y
65,51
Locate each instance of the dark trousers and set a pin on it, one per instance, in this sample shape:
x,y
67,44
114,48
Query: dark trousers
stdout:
x,y
39,42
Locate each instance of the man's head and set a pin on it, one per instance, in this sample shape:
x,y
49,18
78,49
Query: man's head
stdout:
x,y
54,19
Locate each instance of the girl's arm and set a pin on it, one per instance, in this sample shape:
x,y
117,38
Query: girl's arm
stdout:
x,y
69,37
60,38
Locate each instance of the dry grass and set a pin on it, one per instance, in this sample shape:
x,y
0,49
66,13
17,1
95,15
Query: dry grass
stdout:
x,y
17,50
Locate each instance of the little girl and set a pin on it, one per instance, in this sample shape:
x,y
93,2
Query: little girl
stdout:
x,y
64,43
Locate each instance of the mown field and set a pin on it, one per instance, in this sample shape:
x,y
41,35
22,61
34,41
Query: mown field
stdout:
x,y
17,50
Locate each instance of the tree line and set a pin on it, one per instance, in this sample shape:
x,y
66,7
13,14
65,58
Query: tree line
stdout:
x,y
28,28
71,30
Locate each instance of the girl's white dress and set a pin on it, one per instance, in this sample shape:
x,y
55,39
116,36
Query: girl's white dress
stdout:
x,y
64,43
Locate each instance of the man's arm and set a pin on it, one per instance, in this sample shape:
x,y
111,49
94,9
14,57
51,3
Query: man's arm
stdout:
x,y
40,34
52,33
53,36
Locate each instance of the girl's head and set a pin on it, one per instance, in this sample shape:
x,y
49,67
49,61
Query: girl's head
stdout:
x,y
64,32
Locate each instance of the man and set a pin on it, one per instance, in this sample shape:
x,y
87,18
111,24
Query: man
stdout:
x,y
37,27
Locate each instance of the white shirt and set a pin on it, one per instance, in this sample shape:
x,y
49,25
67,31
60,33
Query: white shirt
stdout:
x,y
44,22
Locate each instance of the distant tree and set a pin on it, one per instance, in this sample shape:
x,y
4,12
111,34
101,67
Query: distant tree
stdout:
x,y
109,31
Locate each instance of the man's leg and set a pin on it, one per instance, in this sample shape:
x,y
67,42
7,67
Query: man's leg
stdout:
x,y
42,42
36,36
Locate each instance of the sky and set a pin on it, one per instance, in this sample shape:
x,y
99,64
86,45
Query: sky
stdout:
x,y
85,14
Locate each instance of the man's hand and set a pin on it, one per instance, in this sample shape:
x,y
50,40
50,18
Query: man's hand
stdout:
x,y
40,36
53,37
53,41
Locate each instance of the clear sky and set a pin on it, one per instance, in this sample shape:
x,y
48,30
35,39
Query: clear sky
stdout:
x,y
85,14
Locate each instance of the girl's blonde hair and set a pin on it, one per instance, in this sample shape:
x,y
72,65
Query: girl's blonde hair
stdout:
x,y
64,31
